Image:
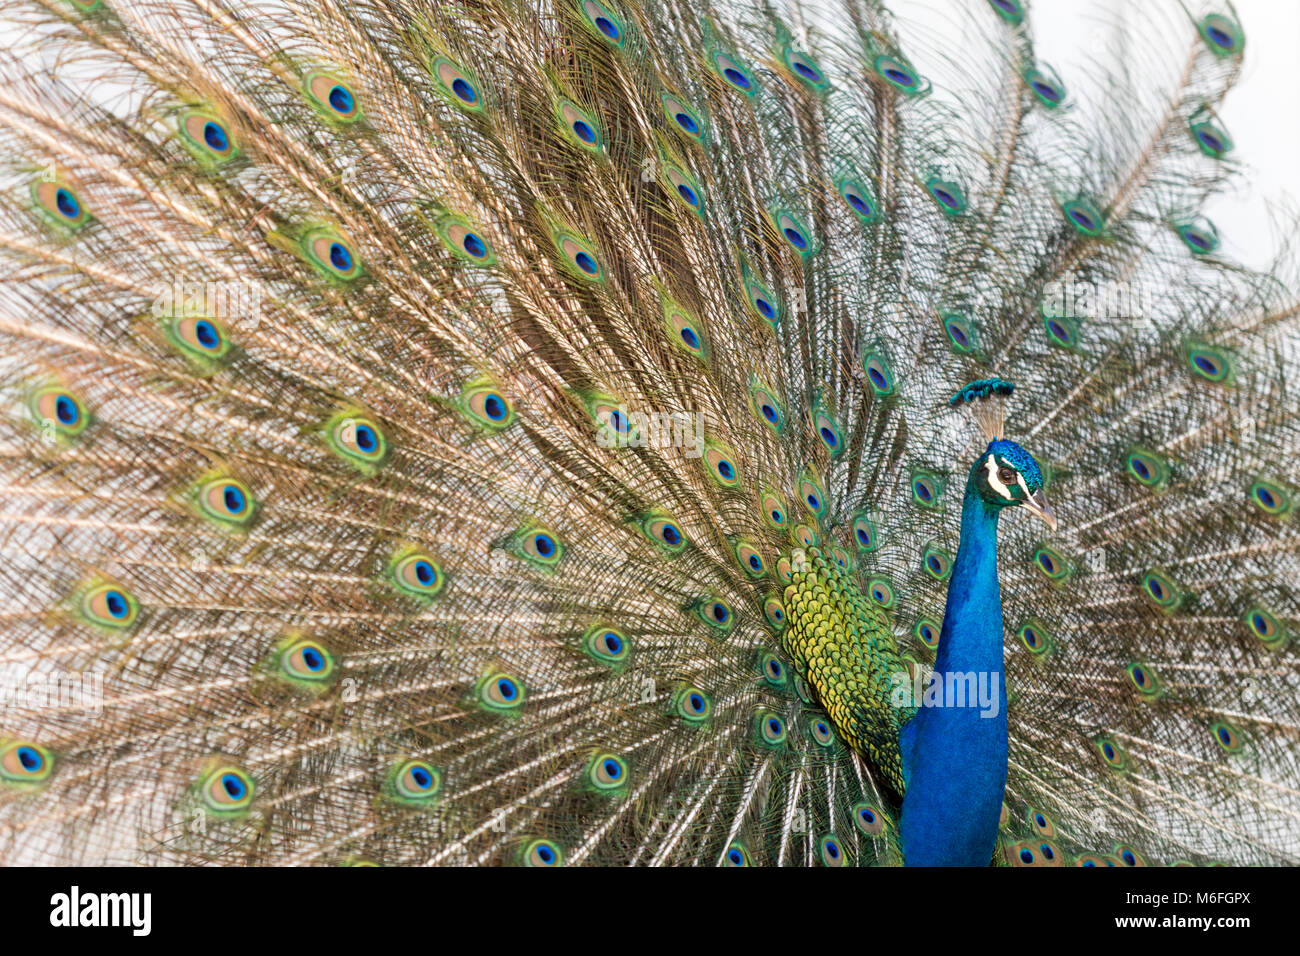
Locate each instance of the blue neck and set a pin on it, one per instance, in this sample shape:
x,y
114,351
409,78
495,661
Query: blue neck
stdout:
x,y
955,757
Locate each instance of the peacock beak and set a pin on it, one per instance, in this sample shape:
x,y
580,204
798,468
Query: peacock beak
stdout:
x,y
1037,503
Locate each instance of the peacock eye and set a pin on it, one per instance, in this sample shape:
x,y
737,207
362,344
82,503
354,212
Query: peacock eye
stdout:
x,y
1006,476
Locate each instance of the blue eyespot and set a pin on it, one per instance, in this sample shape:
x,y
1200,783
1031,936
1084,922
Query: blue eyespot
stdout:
x,y
796,238
66,410
460,86
585,263
340,258
584,132
365,438
341,100
494,407
736,77
507,689
234,787
544,544
67,204
690,338
687,123
215,137
116,604
765,308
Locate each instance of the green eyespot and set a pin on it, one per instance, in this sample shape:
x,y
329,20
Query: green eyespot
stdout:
x,y
226,501
603,23
500,692
692,705
579,257
1147,467
735,74
201,339
1226,736
206,137
1222,35
108,606
1265,626
664,531
331,253
226,790
805,69
1046,86
684,187
682,117
774,611
60,205
1062,331
1084,216
832,852
607,772
579,127
948,194
1144,679
1161,590
927,631
881,591
416,574
936,562
487,406
357,440
859,199
537,545
750,560
58,409
736,855
762,302
607,645
868,819
24,765
1211,364
864,534
717,614
879,374
467,242
457,85
414,783
794,232
685,332
305,662
1111,753
543,853
771,729
332,96
1035,637
1051,564
772,669
765,406
927,489
961,334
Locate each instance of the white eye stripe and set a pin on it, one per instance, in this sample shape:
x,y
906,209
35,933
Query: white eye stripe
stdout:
x,y
1021,480
991,466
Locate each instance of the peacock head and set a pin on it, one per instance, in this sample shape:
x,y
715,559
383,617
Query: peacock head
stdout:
x,y
1005,475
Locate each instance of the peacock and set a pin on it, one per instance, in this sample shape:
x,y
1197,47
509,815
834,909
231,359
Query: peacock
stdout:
x,y
541,432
